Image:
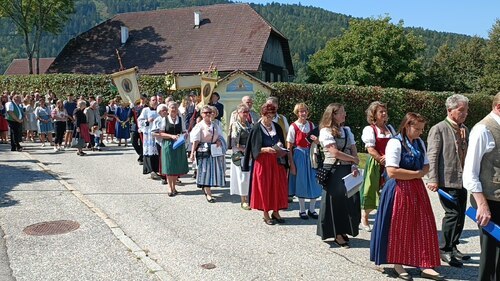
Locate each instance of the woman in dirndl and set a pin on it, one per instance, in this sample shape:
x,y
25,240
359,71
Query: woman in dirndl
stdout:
x,y
111,120
173,160
375,136
240,130
302,179
339,215
269,190
404,232
81,125
43,115
211,169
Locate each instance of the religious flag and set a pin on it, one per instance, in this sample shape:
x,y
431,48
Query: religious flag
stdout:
x,y
126,83
208,84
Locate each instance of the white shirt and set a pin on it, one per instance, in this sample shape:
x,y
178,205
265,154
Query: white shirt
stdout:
x,y
368,136
481,141
10,107
326,138
305,128
393,153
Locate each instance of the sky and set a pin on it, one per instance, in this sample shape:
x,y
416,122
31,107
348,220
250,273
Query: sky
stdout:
x,y
464,17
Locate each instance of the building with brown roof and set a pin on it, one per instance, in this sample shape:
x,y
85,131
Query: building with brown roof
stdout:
x,y
20,66
184,40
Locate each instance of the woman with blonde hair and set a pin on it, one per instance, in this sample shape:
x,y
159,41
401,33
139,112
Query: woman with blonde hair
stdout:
x,y
339,215
302,178
375,136
30,122
206,137
404,232
240,130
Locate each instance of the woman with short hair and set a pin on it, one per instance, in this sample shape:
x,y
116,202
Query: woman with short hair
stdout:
x,y
211,169
265,147
81,125
60,116
43,115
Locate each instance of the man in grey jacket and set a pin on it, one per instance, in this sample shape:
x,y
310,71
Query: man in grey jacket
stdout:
x,y
93,119
446,149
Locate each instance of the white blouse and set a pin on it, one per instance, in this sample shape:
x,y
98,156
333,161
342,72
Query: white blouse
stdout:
x,y
305,128
393,153
326,138
368,136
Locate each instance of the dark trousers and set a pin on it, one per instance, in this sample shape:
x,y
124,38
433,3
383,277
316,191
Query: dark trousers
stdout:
x,y
137,143
151,164
16,134
489,260
60,127
454,218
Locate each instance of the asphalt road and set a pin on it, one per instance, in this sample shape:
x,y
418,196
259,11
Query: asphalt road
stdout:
x,y
131,230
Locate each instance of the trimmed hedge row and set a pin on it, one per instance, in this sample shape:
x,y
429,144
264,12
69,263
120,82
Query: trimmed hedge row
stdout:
x,y
356,99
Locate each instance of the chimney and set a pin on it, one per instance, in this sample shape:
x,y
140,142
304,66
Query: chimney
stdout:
x,y
197,19
124,34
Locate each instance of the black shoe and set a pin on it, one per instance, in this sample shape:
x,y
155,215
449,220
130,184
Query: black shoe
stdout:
x,y
164,181
460,256
303,216
102,145
279,220
313,215
290,199
450,259
194,175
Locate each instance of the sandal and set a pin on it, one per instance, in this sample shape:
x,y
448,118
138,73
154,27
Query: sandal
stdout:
x,y
303,216
268,221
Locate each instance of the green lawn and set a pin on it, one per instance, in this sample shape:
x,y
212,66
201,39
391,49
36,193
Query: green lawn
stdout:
x,y
363,157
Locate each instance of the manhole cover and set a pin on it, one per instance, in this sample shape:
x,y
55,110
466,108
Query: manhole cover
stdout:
x,y
51,227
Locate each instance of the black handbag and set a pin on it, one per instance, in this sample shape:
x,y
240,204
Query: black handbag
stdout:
x,y
236,157
203,148
323,174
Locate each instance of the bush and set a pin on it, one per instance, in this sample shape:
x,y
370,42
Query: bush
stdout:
x,y
355,98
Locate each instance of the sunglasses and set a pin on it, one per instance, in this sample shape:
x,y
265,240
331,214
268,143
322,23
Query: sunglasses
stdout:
x,y
207,112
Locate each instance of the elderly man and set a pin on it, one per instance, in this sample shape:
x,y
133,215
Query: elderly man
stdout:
x,y
93,119
252,117
136,137
15,119
482,178
447,146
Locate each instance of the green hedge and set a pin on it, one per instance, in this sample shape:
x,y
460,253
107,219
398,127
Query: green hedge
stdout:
x,y
356,99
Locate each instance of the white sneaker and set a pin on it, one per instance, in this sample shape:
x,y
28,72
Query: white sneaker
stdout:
x,y
56,149
61,148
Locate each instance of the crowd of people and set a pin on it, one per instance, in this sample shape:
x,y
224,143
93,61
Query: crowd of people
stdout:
x,y
273,161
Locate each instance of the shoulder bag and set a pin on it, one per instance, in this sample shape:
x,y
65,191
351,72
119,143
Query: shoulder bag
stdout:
x,y
323,174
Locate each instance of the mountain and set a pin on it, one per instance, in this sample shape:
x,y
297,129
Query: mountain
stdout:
x,y
307,28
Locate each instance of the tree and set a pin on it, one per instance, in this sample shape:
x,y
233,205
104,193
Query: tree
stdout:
x,y
459,69
371,52
490,82
32,17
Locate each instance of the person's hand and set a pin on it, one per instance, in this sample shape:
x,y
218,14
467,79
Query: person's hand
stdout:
x,y
483,214
191,157
174,137
293,170
268,150
381,160
218,143
151,120
77,130
355,171
432,186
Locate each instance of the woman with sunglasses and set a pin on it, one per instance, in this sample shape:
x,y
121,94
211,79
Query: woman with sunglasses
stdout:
x,y
206,137
269,189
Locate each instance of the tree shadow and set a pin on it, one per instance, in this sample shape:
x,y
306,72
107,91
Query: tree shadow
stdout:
x,y
94,51
12,176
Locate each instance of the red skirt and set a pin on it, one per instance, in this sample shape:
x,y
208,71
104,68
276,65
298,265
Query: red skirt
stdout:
x,y
84,132
4,125
110,126
269,184
413,238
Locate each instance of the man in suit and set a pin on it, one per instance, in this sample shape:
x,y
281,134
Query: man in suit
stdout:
x,y
482,179
447,147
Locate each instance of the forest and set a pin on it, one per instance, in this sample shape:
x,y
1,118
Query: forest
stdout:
x,y
307,28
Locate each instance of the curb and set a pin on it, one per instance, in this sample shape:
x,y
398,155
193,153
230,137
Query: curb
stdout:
x,y
130,244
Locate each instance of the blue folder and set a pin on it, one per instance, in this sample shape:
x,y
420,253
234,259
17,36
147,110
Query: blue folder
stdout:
x,y
492,228
447,196
180,141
